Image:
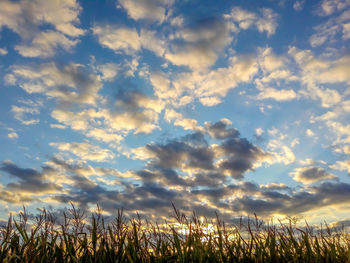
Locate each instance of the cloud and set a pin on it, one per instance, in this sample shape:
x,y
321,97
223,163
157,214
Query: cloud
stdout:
x,y
241,156
335,26
315,71
266,20
192,154
163,186
102,135
279,95
3,51
162,86
328,7
299,5
269,61
278,147
139,121
215,84
132,113
341,166
118,38
45,45
346,31
341,132
30,180
128,40
109,71
148,9
309,175
272,202
22,16
199,44
219,130
28,107
85,151
12,135
274,72
26,17
179,120
68,84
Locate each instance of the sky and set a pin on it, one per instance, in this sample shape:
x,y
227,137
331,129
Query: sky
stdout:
x,y
235,107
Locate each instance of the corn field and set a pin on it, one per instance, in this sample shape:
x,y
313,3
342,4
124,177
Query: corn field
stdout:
x,y
186,239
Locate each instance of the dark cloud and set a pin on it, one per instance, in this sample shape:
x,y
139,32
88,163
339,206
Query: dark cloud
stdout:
x,y
208,179
236,167
24,174
30,180
188,172
163,175
211,165
309,175
240,156
219,130
192,151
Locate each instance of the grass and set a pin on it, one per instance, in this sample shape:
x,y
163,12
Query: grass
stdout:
x,y
189,239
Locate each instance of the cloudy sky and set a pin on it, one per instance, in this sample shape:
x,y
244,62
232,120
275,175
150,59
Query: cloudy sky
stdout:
x,y
229,106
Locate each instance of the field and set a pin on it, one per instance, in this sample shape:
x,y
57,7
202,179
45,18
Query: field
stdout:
x,y
186,239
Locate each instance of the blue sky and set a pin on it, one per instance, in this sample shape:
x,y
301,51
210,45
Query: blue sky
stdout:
x,y
229,106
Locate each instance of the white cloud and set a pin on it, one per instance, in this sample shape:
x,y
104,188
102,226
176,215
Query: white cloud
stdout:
x,y
162,86
210,101
278,147
12,135
266,21
58,126
45,45
3,51
26,17
274,71
140,122
341,166
342,132
310,133
259,131
269,62
210,86
103,135
71,83
109,71
192,57
123,39
149,40
22,113
337,24
115,124
75,120
85,151
328,7
146,9
279,95
315,71
118,38
179,120
202,42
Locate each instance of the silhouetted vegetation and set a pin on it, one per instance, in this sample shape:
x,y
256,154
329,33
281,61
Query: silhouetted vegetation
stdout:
x,y
190,239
